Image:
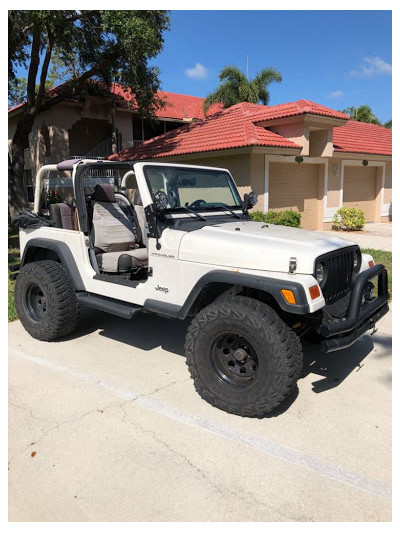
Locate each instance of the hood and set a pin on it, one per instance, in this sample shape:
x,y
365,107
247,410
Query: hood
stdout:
x,y
257,246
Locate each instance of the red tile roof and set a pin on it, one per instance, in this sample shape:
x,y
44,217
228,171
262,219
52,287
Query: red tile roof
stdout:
x,y
230,128
177,106
301,107
362,138
236,127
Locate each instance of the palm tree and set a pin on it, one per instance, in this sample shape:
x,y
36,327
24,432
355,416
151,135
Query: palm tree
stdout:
x,y
236,87
363,113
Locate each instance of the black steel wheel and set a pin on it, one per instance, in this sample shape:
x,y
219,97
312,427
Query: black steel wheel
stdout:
x,y
45,301
35,302
242,357
234,359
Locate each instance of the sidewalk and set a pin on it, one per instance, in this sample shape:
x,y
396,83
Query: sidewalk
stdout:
x,y
377,235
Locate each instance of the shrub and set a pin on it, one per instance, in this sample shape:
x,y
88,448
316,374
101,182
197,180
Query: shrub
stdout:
x,y
281,218
53,197
349,219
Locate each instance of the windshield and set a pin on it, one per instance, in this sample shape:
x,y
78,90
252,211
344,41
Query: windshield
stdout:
x,y
198,189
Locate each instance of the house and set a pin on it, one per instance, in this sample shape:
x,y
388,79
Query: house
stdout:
x,y
300,155
83,127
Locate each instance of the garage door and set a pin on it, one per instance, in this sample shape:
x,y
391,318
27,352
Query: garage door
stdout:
x,y
295,187
359,189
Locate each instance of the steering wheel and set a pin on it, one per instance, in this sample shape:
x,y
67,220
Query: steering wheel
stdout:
x,y
197,203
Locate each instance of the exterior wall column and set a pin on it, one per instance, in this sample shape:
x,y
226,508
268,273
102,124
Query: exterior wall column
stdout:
x,y
59,143
321,195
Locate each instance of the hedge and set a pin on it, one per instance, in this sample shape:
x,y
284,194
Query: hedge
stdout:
x,y
281,218
349,219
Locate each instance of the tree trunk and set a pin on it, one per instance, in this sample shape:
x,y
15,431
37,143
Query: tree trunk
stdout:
x,y
17,198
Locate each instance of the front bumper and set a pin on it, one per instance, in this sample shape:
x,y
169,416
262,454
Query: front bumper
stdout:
x,y
361,316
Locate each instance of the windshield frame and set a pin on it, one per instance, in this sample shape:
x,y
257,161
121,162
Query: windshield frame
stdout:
x,y
207,208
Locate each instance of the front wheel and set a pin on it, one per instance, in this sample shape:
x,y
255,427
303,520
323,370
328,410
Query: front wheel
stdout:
x,y
45,301
242,357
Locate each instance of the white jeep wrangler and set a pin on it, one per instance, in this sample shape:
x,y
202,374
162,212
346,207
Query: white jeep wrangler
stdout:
x,y
185,246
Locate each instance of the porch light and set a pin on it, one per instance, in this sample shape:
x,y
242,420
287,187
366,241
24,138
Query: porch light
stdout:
x,y
364,162
298,159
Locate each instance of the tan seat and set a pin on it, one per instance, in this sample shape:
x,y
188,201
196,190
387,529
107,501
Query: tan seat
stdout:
x,y
113,234
140,216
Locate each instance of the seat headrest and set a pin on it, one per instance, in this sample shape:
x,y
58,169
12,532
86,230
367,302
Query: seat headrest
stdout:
x,y
137,200
104,193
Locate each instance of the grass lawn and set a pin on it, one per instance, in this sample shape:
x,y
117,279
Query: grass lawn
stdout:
x,y
380,256
13,257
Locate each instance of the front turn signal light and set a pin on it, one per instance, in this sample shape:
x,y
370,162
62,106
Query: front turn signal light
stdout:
x,y
289,296
314,292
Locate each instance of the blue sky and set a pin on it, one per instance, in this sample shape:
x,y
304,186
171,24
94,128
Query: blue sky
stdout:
x,y
336,58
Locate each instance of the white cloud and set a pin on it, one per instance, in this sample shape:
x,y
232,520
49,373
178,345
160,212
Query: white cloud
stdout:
x,y
335,94
372,66
198,72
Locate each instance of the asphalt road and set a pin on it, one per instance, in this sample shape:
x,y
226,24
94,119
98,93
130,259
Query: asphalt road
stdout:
x,y
106,426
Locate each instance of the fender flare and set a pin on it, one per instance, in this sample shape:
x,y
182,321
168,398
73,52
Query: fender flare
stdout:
x,y
271,286
63,252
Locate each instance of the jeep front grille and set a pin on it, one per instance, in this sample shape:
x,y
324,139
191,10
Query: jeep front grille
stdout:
x,y
340,267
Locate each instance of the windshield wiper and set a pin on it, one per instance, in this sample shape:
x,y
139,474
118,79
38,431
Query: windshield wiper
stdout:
x,y
191,211
221,206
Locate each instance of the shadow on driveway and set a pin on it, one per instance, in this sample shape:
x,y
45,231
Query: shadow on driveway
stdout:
x,y
148,331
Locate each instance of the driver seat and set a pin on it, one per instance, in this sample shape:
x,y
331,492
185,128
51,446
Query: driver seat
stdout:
x,y
112,234
141,216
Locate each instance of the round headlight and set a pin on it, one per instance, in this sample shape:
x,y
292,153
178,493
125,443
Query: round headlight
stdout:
x,y
320,272
357,260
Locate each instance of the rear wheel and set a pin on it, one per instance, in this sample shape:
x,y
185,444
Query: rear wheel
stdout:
x,y
242,357
45,300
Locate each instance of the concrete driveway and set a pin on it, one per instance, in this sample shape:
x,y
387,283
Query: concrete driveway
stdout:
x,y
377,235
106,426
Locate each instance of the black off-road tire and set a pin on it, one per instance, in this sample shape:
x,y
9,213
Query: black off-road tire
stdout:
x,y
57,314
277,348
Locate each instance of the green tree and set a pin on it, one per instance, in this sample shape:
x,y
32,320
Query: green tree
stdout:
x,y
98,44
235,87
363,113
388,124
16,92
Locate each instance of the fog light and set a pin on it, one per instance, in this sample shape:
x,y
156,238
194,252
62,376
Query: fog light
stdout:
x,y
289,296
314,292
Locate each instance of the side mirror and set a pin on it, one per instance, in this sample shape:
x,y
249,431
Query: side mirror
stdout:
x,y
250,200
161,201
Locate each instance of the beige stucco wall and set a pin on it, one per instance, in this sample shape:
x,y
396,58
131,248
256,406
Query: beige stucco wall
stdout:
x,y
333,193
60,119
321,143
123,122
388,183
257,168
298,132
